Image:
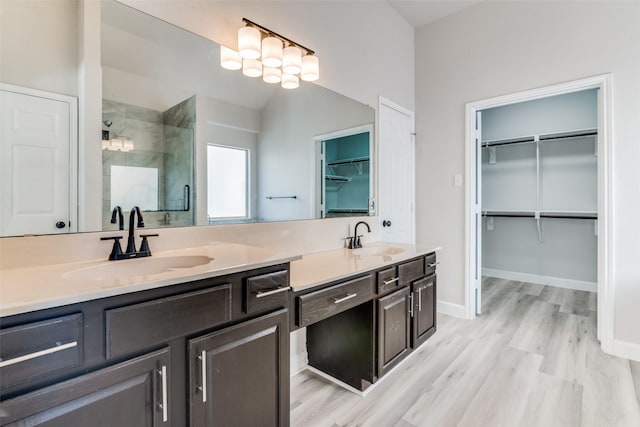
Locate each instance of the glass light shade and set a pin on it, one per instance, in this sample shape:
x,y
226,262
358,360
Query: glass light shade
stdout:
x,y
271,74
310,68
290,81
116,144
127,145
251,68
249,42
106,144
230,59
292,60
272,52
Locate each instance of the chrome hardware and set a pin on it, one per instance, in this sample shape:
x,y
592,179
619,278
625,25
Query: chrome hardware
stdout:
x,y
411,305
57,348
343,299
262,294
203,362
433,264
390,281
420,299
164,405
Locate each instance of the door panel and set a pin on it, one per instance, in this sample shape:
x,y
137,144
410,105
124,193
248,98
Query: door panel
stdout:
x,y
424,310
35,165
239,376
393,330
129,394
396,160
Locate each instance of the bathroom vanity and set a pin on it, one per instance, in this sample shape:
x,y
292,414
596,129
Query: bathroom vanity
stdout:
x,y
210,341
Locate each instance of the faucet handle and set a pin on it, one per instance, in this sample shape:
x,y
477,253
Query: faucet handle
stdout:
x,y
116,251
358,242
349,241
144,246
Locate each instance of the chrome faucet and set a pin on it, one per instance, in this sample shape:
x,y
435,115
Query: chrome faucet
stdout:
x,y
117,211
355,242
131,244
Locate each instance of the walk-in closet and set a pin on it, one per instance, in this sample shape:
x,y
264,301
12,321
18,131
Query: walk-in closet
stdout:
x,y
539,191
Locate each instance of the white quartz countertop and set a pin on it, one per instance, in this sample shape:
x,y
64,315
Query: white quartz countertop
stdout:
x,y
324,267
35,288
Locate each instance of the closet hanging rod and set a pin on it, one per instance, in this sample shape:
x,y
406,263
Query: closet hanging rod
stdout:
x,y
542,215
543,137
281,197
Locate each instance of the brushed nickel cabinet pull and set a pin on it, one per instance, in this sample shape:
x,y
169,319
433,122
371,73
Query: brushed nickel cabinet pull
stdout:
x,y
203,362
420,299
433,264
37,354
262,294
390,281
411,305
165,404
343,299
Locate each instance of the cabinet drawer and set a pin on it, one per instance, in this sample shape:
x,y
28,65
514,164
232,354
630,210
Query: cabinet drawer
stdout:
x,y
36,349
324,303
411,270
267,291
430,264
138,326
387,280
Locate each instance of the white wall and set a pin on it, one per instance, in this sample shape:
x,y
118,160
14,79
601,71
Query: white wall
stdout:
x,y
39,44
498,48
365,48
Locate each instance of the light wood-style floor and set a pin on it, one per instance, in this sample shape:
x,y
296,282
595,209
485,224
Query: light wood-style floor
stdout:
x,y
531,359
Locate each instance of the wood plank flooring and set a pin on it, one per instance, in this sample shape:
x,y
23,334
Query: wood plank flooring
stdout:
x,y
531,359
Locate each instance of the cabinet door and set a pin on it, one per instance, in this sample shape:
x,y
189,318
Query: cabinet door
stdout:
x,y
130,394
424,310
239,376
393,329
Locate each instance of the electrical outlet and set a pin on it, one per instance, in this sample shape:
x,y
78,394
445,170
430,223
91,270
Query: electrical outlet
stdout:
x,y
457,180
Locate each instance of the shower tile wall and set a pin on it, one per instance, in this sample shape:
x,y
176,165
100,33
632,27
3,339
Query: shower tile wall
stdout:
x,y
142,125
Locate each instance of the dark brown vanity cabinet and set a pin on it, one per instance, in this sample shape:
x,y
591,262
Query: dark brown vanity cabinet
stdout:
x,y
129,394
133,359
423,312
394,329
239,376
360,328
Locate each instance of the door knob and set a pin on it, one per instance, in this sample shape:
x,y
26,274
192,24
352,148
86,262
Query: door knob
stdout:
x,y
60,224
386,223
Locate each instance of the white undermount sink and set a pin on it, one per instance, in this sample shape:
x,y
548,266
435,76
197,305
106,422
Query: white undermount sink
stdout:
x,y
137,267
377,251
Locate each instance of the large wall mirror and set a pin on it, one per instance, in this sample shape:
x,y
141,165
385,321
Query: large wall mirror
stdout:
x,y
271,154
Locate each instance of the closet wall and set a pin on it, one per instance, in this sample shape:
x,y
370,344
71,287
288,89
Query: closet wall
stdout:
x,y
554,179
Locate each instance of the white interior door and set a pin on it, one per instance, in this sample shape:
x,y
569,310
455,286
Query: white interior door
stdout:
x,y
396,173
35,170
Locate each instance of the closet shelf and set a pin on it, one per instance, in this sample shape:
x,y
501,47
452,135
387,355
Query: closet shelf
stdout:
x,y
557,136
543,214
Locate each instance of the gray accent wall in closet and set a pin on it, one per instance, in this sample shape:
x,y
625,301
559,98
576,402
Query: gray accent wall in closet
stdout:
x,y
563,181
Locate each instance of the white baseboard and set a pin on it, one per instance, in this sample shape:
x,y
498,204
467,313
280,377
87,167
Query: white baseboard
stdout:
x,y
627,350
455,310
558,282
299,362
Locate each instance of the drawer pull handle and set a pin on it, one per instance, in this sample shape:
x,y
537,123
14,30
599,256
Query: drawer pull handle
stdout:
x,y
433,264
203,361
164,405
262,294
343,299
37,354
390,281
411,305
420,299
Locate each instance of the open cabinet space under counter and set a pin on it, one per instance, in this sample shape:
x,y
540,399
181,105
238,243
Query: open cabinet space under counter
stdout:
x,y
365,310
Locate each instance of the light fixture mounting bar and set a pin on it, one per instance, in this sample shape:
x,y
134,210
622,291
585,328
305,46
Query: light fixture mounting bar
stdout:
x,y
274,34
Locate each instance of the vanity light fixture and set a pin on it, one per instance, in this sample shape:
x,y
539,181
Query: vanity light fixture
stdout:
x,y
118,144
261,52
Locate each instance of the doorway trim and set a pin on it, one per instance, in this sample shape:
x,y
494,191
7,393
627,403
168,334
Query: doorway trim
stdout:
x,y
605,283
